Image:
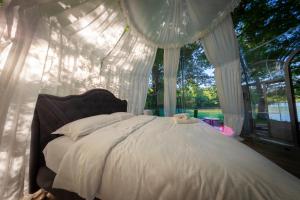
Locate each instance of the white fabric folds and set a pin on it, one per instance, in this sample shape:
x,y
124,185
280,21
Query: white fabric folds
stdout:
x,y
61,48
125,71
87,186
171,61
175,23
221,48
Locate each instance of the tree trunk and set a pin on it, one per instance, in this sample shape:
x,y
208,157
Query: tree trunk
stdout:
x,y
262,111
155,82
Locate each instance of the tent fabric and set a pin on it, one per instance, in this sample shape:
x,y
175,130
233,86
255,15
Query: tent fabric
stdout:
x,y
70,46
16,106
175,23
126,70
221,49
61,52
171,62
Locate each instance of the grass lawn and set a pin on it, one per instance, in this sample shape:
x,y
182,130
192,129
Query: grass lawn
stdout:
x,y
210,112
213,113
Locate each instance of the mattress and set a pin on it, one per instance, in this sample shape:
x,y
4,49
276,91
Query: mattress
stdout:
x,y
148,158
55,151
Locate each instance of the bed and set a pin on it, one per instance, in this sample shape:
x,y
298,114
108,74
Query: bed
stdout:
x,y
52,112
145,157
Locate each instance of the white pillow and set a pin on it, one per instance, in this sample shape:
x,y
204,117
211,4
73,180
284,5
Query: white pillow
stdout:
x,y
122,115
88,125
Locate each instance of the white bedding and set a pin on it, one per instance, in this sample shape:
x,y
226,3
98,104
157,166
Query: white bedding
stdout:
x,y
55,151
153,158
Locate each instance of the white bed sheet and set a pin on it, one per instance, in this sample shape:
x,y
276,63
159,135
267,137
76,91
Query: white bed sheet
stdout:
x,y
154,158
55,151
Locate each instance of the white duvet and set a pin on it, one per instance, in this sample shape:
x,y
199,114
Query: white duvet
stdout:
x,y
147,157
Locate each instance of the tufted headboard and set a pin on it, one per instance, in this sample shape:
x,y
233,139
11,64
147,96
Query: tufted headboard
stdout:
x,y
52,112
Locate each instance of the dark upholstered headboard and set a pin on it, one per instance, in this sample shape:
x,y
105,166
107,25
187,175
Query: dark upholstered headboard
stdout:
x,y
52,112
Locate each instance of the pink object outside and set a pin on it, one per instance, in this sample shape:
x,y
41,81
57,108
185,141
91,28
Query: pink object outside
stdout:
x,y
226,130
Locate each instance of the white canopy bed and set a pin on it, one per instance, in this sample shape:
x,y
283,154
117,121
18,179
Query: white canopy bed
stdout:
x,y
71,46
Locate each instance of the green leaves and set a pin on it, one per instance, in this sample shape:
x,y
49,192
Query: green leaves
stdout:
x,y
259,21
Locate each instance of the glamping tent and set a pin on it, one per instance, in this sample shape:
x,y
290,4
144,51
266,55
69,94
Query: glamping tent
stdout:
x,y
71,46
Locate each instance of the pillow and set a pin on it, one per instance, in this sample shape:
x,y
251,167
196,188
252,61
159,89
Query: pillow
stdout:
x,y
122,115
88,125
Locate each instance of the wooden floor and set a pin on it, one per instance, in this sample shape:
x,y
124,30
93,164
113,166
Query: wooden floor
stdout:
x,y
287,158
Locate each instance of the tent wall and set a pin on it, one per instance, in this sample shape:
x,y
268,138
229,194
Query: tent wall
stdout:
x,y
61,52
70,46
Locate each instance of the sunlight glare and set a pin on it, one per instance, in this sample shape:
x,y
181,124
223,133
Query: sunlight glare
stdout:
x,y
3,56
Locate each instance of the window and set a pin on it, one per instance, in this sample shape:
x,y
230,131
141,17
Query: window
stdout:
x,y
268,33
196,90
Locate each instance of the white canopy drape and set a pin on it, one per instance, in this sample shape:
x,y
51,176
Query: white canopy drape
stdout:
x,y
171,61
126,70
70,46
221,49
175,23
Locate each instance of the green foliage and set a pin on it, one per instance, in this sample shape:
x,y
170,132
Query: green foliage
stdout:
x,y
267,30
193,64
276,93
193,81
199,97
159,59
191,75
126,28
295,69
158,70
258,21
202,113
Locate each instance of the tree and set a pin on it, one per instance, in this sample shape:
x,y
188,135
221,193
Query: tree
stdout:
x,y
267,21
193,66
191,74
268,31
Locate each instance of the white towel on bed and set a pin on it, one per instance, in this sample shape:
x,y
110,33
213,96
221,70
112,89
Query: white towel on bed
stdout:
x,y
182,116
191,120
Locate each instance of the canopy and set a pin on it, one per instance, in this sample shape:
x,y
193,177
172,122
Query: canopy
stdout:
x,y
69,46
174,23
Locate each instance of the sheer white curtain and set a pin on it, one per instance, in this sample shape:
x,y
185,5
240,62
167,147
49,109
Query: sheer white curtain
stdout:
x,y
221,49
126,70
171,61
20,100
58,47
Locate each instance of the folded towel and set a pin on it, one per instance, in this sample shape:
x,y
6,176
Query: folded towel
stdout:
x,y
182,116
148,112
191,120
